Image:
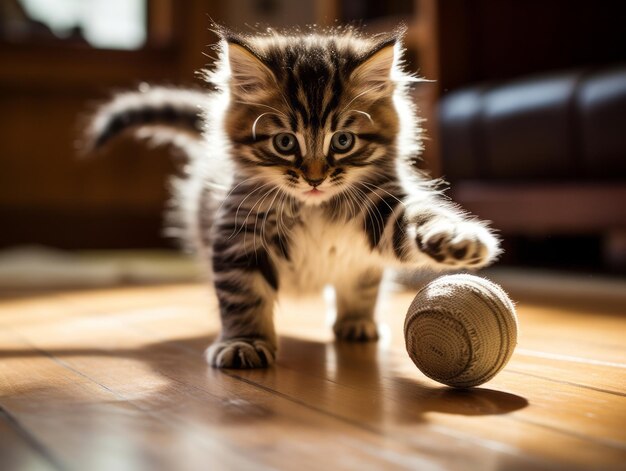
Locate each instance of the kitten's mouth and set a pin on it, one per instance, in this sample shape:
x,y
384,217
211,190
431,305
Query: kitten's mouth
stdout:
x,y
313,192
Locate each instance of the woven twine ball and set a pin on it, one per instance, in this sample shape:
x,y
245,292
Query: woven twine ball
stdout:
x,y
461,330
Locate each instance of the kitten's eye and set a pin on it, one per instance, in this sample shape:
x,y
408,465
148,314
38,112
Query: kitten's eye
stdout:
x,y
342,142
285,143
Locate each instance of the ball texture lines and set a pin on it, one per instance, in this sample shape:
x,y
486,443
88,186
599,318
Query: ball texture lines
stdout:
x,y
461,330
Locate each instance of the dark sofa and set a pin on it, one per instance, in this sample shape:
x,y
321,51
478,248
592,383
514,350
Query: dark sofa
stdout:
x,y
543,155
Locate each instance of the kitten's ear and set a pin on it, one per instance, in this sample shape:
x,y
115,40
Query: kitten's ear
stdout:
x,y
248,73
373,74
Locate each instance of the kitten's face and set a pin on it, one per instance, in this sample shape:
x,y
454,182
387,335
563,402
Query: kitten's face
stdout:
x,y
313,116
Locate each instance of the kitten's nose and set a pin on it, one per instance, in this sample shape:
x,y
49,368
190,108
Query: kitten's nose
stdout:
x,y
314,181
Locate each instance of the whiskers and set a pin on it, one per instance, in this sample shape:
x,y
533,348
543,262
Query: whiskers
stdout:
x,y
258,119
355,98
372,186
266,216
365,198
367,115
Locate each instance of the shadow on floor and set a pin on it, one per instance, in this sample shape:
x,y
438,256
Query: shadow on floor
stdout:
x,y
346,381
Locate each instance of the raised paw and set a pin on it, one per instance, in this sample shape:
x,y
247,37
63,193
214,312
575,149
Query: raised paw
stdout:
x,y
464,244
241,353
356,329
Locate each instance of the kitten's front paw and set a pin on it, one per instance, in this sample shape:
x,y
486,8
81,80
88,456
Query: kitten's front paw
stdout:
x,y
241,353
356,329
464,244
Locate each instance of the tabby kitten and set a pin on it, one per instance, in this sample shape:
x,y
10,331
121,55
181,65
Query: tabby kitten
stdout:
x,y
299,176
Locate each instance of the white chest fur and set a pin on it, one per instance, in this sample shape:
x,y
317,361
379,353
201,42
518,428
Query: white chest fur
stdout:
x,y
324,252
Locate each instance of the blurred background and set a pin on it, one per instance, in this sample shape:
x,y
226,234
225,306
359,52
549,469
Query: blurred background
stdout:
x,y
526,118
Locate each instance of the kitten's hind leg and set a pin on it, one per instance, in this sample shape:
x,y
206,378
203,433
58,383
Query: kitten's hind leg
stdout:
x,y
356,302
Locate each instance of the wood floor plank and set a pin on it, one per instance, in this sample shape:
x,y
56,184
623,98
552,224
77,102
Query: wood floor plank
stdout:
x,y
558,404
599,377
588,419
219,407
542,430
19,450
590,413
487,415
86,425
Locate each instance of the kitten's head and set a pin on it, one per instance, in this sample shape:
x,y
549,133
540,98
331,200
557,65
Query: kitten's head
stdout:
x,y
314,114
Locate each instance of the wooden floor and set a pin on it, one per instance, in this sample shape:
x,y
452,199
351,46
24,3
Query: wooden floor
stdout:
x,y
115,380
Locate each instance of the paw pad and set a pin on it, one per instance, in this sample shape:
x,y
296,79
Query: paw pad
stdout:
x,y
461,245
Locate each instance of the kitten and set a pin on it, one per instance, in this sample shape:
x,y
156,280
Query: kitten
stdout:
x,y
299,176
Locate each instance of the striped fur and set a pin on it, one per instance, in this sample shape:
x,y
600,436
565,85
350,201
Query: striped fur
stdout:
x,y
150,108
303,178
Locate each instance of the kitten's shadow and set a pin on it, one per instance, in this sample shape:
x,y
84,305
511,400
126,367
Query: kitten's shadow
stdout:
x,y
354,381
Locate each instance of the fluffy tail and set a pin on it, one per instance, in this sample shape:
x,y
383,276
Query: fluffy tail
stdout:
x,y
166,115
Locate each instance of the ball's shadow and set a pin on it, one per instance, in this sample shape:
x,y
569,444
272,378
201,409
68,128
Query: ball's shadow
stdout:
x,y
475,401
